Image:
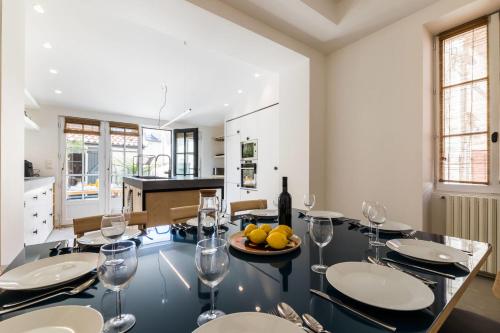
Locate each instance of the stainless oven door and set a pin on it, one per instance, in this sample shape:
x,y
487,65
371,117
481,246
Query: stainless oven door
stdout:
x,y
249,175
249,150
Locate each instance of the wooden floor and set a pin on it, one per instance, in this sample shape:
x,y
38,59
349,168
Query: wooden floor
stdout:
x,y
478,298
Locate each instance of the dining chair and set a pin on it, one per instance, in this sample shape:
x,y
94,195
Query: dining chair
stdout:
x,y
184,213
465,321
238,206
93,223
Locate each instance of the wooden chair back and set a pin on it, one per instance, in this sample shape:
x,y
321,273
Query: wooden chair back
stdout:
x,y
496,286
93,223
238,206
182,214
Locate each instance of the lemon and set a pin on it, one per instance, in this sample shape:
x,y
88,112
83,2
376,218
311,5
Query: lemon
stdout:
x,y
284,229
249,228
257,236
277,240
265,227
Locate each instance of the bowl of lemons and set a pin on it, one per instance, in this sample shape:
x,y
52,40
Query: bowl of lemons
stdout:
x,y
265,240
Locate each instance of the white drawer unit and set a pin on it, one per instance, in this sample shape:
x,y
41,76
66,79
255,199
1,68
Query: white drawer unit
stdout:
x,y
38,211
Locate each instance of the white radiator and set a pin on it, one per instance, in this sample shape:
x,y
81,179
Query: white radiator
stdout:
x,y
476,218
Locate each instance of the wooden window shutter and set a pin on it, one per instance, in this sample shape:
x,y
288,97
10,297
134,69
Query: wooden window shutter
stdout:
x,y
81,126
123,128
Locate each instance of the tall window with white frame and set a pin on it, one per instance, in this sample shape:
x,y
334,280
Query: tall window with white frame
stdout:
x,y
464,115
124,140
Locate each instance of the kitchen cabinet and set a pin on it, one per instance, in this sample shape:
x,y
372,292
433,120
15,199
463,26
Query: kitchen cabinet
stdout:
x,y
38,210
261,126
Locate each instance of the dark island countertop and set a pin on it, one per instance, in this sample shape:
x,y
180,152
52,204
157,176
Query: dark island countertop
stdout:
x,y
152,184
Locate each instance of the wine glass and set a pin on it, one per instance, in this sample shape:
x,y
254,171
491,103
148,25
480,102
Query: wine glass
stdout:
x,y
321,232
113,226
116,266
365,207
377,214
309,201
212,265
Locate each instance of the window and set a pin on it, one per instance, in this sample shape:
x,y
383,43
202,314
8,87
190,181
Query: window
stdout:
x,y
82,158
464,115
156,142
186,152
124,146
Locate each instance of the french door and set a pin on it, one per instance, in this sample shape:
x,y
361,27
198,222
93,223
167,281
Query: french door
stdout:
x,y
94,156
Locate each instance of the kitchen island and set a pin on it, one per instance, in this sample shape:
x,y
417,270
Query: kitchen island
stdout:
x,y
157,195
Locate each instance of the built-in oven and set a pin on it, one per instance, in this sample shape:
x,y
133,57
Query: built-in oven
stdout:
x,y
248,175
249,150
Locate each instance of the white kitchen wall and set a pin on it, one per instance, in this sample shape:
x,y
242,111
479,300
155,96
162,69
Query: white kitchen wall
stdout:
x,y
11,130
41,147
379,119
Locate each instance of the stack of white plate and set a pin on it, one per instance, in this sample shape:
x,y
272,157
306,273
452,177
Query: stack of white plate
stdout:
x,y
49,272
59,319
380,286
264,213
249,322
427,251
325,214
95,238
389,226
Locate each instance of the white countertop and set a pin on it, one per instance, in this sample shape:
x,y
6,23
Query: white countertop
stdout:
x,y
31,183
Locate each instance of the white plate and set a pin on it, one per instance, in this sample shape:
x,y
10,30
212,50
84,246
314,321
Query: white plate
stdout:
x,y
248,322
95,238
380,286
49,271
325,213
389,226
427,251
58,319
194,221
264,213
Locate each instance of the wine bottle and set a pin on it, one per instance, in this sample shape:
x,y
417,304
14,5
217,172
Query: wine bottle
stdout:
x,y
285,205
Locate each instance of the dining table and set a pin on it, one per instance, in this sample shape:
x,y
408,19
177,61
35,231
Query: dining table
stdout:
x,y
166,295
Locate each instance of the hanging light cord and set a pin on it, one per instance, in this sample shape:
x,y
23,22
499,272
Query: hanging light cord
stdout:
x,y
163,105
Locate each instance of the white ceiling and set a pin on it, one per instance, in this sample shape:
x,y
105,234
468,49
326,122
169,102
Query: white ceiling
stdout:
x,y
328,24
114,55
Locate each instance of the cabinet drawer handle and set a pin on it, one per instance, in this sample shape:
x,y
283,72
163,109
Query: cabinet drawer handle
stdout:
x,y
248,192
237,168
275,168
51,214
138,194
44,193
44,221
238,131
35,197
35,231
35,215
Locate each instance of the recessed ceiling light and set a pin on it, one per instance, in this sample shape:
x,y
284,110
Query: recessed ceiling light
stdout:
x,y
38,8
47,45
57,91
226,104
53,71
256,75
240,91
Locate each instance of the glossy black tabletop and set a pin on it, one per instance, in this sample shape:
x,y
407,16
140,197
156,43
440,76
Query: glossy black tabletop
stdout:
x,y
163,302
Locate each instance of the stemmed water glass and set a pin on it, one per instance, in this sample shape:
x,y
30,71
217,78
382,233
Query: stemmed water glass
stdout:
x,y
212,265
321,232
377,214
365,207
113,226
309,201
116,266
